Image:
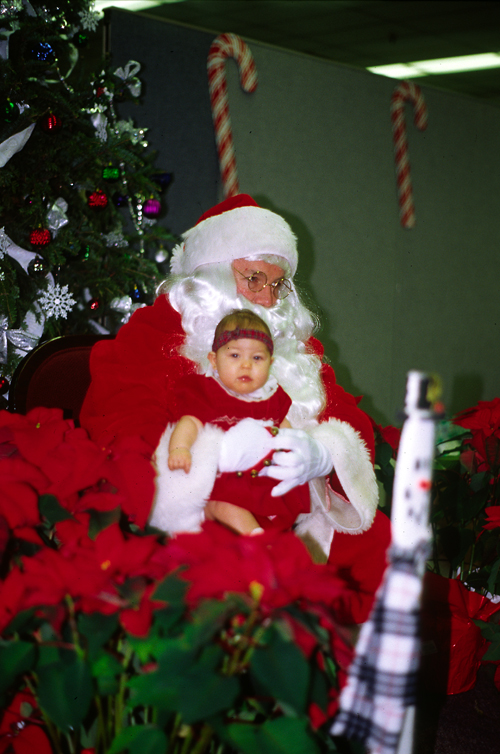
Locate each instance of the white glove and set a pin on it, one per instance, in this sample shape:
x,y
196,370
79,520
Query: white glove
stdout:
x,y
306,459
245,444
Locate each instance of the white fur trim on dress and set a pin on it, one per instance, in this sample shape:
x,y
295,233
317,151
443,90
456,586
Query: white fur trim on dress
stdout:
x,y
330,512
236,234
180,498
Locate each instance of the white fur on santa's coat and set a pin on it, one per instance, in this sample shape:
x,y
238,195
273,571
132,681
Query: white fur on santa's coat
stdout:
x,y
180,498
330,512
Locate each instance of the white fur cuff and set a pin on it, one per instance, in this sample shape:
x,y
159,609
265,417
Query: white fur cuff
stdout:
x,y
352,463
180,498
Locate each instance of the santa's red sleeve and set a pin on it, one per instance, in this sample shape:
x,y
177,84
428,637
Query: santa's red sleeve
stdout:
x,y
360,561
133,376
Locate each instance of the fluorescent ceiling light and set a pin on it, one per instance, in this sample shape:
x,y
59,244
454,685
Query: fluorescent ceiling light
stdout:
x,y
439,66
100,5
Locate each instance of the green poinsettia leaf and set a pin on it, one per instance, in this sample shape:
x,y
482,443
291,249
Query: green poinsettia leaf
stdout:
x,y
490,632
285,735
171,590
492,580
281,670
139,739
106,669
479,481
160,687
97,630
492,654
65,690
203,691
16,658
51,509
100,520
383,454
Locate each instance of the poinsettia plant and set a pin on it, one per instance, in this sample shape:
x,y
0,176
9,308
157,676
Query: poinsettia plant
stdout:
x,y
114,638
466,507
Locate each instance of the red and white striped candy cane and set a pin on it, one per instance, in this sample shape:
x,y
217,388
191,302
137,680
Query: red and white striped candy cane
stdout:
x,y
227,46
406,91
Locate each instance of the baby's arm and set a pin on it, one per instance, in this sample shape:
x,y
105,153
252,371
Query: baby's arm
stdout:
x,y
285,423
181,441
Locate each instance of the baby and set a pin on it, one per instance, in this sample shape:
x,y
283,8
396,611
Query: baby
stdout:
x,y
241,356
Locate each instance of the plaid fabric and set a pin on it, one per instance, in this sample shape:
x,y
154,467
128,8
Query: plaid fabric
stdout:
x,y
239,332
383,674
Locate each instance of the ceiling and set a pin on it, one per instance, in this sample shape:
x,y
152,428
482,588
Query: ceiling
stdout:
x,y
360,33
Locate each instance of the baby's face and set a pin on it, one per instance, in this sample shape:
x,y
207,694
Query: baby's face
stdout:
x,y
243,365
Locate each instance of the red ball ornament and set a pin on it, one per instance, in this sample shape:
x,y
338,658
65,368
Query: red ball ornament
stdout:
x,y
40,237
4,385
151,208
97,200
51,123
94,304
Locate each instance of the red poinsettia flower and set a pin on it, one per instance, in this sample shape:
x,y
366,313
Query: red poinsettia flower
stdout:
x,y
493,517
21,729
11,597
485,416
137,620
38,433
219,562
48,577
390,435
129,469
481,453
127,569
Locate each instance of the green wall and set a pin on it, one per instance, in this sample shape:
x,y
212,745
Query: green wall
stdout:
x,y
314,143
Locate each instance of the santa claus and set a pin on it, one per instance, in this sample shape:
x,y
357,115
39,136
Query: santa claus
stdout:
x,y
237,256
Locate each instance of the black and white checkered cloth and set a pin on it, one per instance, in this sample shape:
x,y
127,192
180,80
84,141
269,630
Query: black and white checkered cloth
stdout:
x,y
382,677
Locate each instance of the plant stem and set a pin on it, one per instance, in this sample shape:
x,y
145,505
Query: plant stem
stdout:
x,y
187,741
204,740
175,730
120,698
53,731
101,734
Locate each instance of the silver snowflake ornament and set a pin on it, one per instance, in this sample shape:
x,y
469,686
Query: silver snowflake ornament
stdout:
x,y
89,19
56,301
115,239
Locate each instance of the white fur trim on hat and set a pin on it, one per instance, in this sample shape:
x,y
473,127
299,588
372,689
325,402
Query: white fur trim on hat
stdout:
x,y
236,234
180,498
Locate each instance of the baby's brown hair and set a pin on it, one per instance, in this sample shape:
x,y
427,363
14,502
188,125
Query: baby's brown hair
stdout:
x,y
242,319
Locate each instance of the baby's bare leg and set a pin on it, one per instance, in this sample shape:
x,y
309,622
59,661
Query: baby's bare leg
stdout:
x,y
238,519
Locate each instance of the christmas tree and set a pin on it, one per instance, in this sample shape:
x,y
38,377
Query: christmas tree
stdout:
x,y
80,242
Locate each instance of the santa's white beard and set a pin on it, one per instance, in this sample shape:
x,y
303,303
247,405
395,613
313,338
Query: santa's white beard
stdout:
x,y
210,293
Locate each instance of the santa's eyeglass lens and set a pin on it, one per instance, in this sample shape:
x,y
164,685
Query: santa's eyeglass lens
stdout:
x,y
257,281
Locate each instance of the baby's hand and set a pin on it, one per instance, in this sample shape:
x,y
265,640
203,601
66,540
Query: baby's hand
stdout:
x,y
180,458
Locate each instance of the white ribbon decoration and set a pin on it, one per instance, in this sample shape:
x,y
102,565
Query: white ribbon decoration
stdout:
x,y
22,256
14,144
56,216
127,75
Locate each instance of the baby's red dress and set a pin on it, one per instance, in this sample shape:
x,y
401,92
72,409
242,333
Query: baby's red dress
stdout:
x,y
207,400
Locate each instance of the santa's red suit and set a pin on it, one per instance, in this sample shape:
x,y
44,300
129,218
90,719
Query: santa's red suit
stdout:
x,y
132,394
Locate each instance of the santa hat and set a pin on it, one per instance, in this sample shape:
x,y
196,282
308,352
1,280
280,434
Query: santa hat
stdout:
x,y
237,228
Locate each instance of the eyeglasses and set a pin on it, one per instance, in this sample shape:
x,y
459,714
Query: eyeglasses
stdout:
x,y
257,281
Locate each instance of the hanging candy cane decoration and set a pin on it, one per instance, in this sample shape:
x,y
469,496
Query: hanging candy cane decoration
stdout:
x,y
406,91
227,46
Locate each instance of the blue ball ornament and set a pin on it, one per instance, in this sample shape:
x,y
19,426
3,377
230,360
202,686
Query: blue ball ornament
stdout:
x,y
43,51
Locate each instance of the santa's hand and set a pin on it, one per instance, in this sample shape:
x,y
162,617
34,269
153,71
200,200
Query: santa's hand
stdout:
x,y
245,444
304,460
